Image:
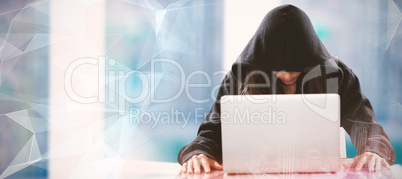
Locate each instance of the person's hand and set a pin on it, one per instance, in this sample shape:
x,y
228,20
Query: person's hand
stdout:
x,y
194,164
373,161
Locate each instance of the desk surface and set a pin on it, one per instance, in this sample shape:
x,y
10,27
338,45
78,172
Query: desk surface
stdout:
x,y
150,169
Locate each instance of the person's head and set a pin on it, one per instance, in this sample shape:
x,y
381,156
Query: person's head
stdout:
x,y
285,46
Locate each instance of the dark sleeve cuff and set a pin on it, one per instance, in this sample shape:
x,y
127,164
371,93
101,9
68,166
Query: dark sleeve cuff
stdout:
x,y
193,149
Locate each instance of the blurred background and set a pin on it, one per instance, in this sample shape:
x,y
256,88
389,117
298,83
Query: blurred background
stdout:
x,y
82,81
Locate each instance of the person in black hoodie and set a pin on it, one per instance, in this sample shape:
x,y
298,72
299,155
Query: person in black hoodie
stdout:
x,y
286,47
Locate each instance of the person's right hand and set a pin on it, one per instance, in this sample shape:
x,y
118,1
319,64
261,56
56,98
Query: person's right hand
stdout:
x,y
193,165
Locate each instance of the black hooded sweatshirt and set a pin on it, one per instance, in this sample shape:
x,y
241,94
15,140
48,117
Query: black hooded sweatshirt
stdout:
x,y
286,41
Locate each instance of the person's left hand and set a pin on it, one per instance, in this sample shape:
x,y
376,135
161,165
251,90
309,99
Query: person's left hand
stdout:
x,y
373,161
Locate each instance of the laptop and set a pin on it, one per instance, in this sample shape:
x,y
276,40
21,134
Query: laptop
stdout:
x,y
280,133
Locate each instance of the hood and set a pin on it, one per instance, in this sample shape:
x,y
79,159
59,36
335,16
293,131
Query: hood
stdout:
x,y
284,41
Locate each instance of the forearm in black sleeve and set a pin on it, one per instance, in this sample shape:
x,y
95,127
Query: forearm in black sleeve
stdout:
x,y
359,121
209,138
